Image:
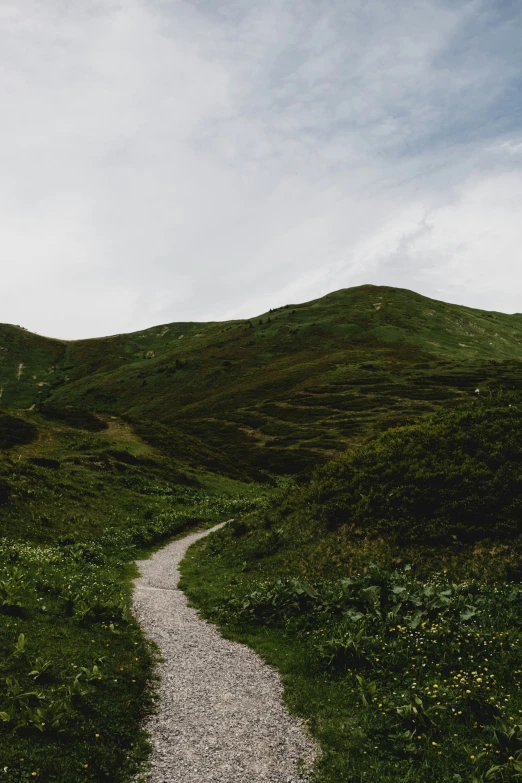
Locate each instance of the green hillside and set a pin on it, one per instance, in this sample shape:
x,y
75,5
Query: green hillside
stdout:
x,y
59,481
444,494
80,499
285,390
366,446
387,593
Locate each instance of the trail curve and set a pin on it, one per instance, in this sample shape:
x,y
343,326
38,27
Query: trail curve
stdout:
x,y
221,718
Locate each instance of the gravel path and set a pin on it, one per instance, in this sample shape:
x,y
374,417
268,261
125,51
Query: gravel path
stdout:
x,y
221,718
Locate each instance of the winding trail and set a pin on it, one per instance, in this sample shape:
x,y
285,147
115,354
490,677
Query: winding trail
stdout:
x,y
221,718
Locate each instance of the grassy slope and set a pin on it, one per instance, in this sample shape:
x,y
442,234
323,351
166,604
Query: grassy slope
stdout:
x,y
75,509
280,393
411,673
399,679
287,389
71,482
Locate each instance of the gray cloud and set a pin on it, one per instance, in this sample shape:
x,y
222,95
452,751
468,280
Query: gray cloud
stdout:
x,y
171,161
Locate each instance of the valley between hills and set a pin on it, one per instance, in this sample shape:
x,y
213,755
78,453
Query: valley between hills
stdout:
x,y
368,448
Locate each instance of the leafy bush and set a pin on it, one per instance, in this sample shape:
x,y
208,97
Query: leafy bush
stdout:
x,y
10,592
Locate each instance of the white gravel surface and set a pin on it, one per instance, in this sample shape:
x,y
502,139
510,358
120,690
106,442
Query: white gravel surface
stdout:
x,y
221,718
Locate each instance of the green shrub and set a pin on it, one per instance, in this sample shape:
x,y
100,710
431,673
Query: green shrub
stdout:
x,y
74,417
5,491
459,474
16,432
400,678
189,449
45,462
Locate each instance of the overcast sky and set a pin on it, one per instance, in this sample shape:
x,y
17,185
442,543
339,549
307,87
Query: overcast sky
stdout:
x,y
165,160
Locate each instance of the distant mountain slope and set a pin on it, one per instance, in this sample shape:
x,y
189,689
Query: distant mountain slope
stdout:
x,y
28,366
286,389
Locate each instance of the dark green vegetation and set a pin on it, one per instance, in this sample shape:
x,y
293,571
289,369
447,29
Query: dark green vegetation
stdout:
x,y
285,390
15,431
111,445
444,494
76,508
400,679
406,672
73,664
456,475
75,483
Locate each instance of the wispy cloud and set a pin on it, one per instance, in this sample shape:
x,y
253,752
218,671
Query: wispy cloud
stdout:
x,y
170,161
511,146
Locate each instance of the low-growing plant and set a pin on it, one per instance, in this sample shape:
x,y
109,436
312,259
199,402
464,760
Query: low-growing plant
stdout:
x,y
427,671
11,590
75,669
39,668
